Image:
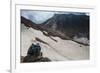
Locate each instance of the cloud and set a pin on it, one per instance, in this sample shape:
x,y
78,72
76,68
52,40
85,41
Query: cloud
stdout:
x,y
37,17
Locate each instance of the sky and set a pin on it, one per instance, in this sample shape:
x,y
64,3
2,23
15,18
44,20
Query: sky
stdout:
x,y
39,17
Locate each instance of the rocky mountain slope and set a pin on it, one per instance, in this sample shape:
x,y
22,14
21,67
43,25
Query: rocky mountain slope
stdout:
x,y
62,37
65,26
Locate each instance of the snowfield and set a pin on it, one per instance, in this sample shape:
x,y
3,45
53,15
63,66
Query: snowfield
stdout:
x,y
59,50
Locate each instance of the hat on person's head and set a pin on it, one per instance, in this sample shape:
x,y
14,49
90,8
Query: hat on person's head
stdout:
x,y
37,44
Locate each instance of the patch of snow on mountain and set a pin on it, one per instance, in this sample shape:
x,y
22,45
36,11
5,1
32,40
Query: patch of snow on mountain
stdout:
x,y
56,51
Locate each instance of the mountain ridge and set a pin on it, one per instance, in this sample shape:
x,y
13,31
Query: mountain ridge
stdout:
x,y
66,26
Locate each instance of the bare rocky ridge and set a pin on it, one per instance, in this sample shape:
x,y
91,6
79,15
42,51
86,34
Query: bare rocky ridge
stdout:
x,y
53,28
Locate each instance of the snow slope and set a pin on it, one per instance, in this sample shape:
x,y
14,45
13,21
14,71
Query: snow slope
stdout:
x,y
55,50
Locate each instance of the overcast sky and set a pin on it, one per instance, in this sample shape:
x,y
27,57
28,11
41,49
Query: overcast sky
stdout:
x,y
39,17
